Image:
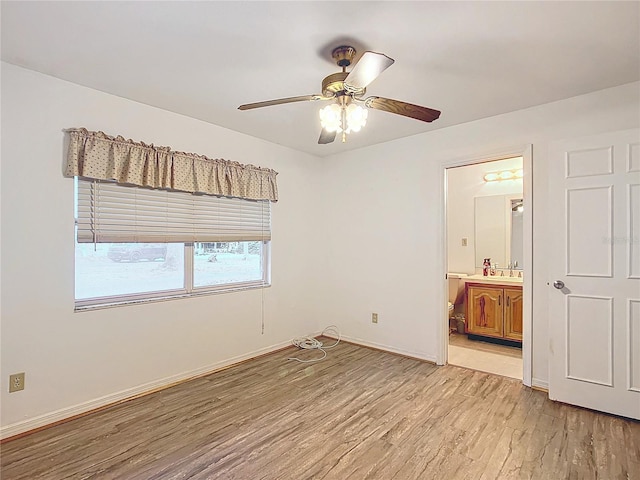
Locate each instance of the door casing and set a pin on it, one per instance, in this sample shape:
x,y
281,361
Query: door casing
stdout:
x,y
524,151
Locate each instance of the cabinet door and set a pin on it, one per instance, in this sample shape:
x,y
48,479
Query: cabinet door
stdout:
x,y
513,314
484,311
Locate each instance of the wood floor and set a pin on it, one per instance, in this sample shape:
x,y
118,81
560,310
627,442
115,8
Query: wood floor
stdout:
x,y
359,414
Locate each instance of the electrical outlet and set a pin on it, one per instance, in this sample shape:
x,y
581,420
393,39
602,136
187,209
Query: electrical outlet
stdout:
x,y
465,240
16,382
374,318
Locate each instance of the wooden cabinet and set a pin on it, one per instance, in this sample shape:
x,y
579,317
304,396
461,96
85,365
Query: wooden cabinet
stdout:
x,y
494,311
513,313
485,310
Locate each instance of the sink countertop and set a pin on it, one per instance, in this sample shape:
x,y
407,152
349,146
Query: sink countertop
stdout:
x,y
493,279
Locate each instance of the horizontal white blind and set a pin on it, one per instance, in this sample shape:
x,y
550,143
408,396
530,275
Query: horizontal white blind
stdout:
x,y
110,213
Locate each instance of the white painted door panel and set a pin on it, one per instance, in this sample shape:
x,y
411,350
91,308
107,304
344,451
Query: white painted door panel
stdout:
x,y
594,320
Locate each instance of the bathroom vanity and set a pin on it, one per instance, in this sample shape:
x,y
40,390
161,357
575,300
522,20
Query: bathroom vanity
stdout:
x,y
494,307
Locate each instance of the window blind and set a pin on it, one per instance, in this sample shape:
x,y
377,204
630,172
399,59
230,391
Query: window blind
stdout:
x,y
112,213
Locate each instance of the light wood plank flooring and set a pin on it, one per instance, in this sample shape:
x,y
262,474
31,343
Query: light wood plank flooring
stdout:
x,y
359,414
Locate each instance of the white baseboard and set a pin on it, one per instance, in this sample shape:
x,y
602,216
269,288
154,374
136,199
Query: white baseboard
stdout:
x,y
387,348
72,411
537,383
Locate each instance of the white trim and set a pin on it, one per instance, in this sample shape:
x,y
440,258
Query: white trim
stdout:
x,y
630,350
140,299
568,220
630,168
567,164
540,384
386,348
527,266
524,151
630,217
84,407
567,349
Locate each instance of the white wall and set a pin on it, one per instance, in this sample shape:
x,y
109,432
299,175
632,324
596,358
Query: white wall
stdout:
x,y
464,184
74,361
378,248
384,206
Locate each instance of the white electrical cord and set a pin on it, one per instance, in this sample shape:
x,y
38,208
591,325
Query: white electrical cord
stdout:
x,y
310,343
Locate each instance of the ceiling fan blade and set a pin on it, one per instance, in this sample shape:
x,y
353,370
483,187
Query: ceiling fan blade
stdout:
x,y
280,101
370,65
402,108
326,137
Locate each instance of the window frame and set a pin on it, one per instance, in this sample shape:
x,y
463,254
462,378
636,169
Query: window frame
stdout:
x,y
188,289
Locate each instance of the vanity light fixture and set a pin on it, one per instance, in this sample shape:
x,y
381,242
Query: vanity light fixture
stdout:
x,y
504,175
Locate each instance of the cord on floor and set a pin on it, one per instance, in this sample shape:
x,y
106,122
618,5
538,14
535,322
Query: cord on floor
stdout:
x,y
310,343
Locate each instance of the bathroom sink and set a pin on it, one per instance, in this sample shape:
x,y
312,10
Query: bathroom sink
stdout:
x,y
492,279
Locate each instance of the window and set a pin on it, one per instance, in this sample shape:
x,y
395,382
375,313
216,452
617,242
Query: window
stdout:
x,y
136,244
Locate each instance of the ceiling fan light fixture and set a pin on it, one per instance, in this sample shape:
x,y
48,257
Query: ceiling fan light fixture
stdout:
x,y
344,88
333,120
356,117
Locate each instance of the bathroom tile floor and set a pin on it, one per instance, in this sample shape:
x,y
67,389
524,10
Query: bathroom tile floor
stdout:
x,y
484,356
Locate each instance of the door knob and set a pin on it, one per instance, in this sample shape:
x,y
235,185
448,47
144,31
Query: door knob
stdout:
x,y
559,284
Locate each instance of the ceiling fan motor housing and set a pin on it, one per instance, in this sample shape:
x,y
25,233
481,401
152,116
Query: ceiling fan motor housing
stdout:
x,y
333,85
343,55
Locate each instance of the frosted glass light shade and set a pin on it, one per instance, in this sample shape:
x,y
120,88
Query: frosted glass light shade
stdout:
x,y
356,118
331,118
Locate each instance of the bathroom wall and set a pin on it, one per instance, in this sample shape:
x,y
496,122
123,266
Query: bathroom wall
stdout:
x,y
463,185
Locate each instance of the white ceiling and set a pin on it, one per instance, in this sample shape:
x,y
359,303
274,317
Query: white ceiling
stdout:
x,y
470,60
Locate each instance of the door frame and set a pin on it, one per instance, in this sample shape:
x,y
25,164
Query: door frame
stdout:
x,y
524,151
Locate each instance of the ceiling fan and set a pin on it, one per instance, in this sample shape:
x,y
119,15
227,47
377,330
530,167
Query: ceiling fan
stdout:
x,y
346,91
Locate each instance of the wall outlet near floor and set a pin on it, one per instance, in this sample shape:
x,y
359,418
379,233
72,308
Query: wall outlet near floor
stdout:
x,y
374,318
16,382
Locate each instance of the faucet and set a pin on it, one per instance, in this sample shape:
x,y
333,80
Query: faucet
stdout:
x,y
510,269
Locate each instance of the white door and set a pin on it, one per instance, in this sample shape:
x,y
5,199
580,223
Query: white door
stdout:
x,y
594,283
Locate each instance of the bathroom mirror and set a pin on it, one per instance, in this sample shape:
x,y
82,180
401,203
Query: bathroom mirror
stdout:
x,y
498,229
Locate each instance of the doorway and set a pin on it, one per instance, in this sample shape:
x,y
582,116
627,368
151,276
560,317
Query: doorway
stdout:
x,y
487,320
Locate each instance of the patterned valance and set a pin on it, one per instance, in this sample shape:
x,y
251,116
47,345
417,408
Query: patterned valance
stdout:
x,y
102,157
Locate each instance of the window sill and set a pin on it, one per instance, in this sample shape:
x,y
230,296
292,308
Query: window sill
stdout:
x,y
101,304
